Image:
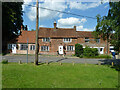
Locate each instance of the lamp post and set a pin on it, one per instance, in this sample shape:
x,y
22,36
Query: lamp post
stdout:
x,y
27,50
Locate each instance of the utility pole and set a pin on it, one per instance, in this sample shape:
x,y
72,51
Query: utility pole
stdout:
x,y
36,44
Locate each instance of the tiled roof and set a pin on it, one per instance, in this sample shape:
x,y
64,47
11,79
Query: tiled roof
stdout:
x,y
52,32
30,35
83,34
59,32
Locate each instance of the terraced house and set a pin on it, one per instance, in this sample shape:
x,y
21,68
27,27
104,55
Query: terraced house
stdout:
x,y
55,41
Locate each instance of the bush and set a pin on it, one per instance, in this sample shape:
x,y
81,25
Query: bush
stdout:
x,y
4,61
78,50
103,56
90,52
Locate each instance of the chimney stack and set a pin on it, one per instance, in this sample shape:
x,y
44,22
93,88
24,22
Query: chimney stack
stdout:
x,y
26,28
75,28
55,24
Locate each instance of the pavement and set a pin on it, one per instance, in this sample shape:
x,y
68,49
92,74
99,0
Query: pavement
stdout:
x,y
50,59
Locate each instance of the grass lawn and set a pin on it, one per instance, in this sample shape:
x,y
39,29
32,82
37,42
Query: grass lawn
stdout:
x,y
58,76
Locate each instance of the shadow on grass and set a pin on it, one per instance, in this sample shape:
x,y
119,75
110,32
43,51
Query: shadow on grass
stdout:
x,y
116,63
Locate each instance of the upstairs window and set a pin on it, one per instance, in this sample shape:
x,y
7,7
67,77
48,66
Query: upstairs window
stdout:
x,y
23,47
44,48
97,40
46,39
32,47
87,39
67,40
70,48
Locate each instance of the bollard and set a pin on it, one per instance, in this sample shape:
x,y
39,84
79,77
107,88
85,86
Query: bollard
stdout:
x,y
20,62
60,63
47,62
99,63
85,64
73,63
112,64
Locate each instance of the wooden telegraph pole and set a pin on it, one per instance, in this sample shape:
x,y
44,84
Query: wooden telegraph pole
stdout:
x,y
36,44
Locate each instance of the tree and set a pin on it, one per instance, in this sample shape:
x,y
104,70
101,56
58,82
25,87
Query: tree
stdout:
x,y
78,50
103,29
109,26
114,15
11,21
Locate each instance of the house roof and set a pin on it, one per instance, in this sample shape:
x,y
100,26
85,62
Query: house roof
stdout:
x,y
30,35
82,34
52,32
59,32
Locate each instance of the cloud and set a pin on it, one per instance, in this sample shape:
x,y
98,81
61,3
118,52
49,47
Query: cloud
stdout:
x,y
46,14
83,6
70,22
81,28
106,6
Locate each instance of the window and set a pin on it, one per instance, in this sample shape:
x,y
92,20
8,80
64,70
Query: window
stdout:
x,y
9,46
44,48
101,49
87,39
23,47
70,48
32,47
67,40
97,40
46,39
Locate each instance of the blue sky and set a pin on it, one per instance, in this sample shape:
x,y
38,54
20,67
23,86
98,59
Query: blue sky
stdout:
x,y
47,18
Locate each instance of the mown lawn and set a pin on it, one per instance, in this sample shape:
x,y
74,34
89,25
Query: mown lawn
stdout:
x,y
58,76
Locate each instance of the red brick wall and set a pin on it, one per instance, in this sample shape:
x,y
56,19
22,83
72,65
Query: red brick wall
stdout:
x,y
54,44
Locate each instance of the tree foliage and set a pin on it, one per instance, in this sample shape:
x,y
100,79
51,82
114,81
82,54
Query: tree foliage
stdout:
x,y
108,27
11,21
78,50
90,52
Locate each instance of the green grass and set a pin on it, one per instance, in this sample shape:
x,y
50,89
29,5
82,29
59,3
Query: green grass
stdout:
x,y
58,76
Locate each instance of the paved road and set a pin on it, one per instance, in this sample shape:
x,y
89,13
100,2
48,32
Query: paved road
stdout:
x,y
50,59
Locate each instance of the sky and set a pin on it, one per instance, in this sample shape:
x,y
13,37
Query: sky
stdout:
x,y
46,17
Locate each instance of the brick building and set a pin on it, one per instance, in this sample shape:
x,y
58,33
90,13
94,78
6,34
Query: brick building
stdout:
x,y
55,41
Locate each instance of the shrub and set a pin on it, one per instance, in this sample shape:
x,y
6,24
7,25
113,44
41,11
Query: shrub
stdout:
x,y
90,52
103,56
78,50
4,61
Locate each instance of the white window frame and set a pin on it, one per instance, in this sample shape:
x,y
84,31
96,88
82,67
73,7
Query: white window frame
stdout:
x,y
65,40
87,39
33,47
46,39
9,46
24,47
70,48
45,48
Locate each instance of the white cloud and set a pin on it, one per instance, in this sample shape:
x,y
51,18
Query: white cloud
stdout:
x,y
81,28
46,14
83,6
70,22
106,6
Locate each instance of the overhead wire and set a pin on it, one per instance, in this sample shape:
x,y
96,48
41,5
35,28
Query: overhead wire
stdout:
x,y
62,12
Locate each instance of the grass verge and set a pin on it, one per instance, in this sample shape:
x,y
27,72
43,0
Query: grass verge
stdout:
x,y
55,75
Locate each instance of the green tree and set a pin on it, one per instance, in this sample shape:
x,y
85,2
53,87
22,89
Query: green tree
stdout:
x,y
114,15
103,29
78,50
11,21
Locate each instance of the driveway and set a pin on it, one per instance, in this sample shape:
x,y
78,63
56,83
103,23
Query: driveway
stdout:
x,y
50,59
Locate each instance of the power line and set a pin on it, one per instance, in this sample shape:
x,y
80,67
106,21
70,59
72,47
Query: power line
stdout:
x,y
62,12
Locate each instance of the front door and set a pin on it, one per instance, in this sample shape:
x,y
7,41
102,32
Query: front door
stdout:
x,y
60,49
13,48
